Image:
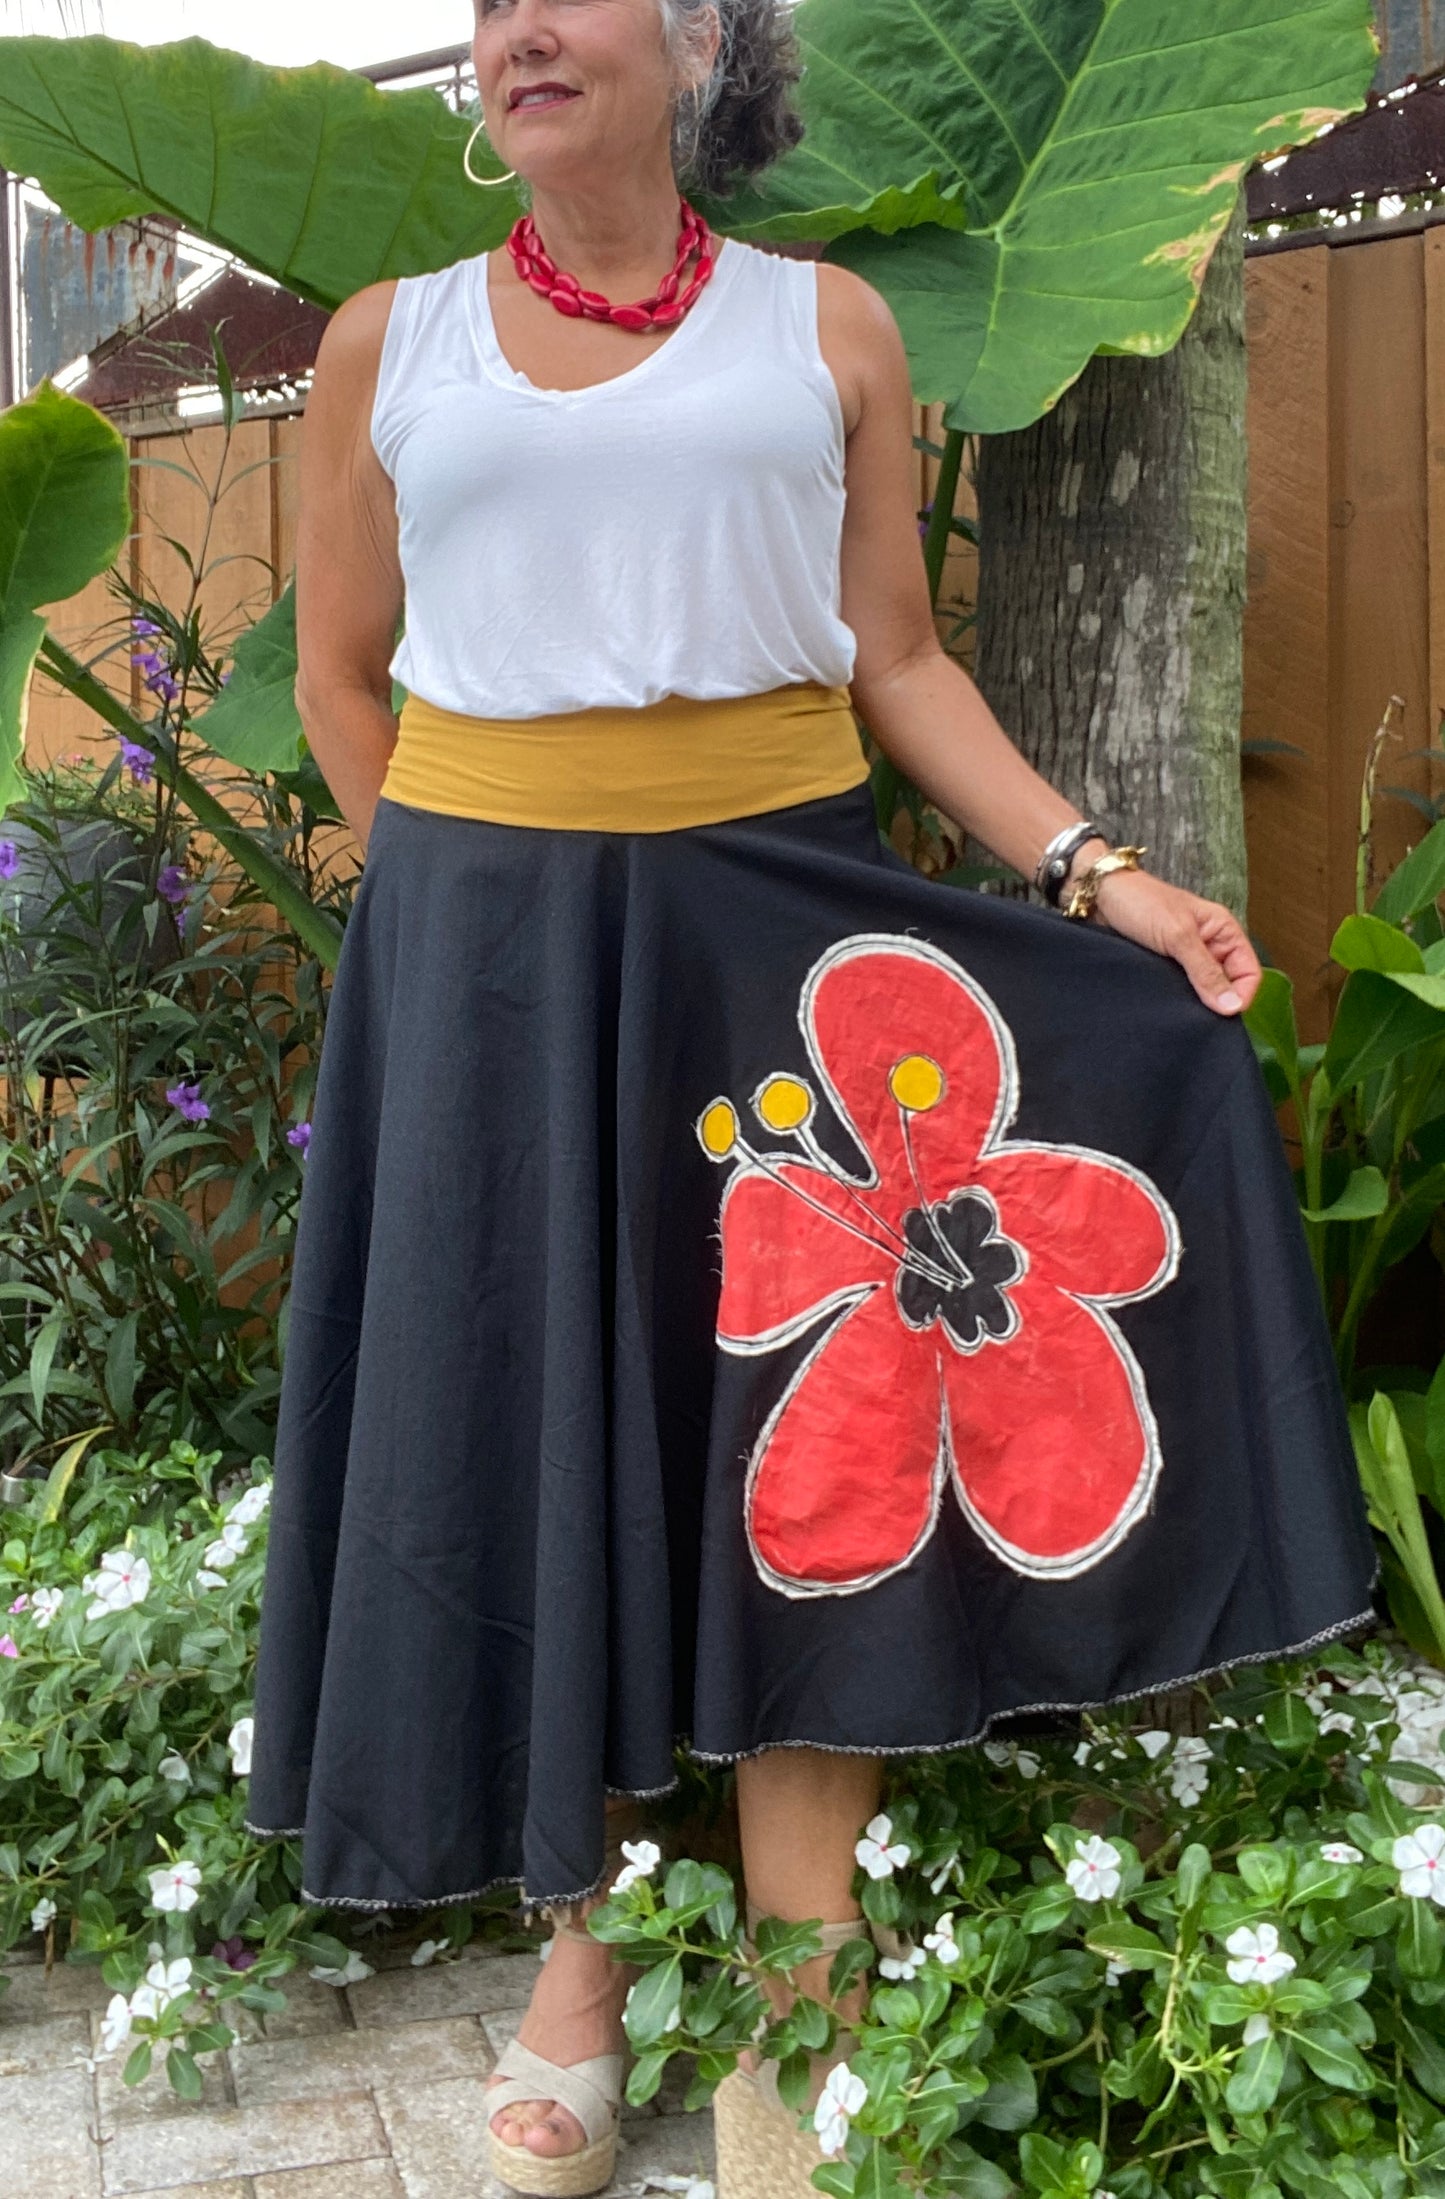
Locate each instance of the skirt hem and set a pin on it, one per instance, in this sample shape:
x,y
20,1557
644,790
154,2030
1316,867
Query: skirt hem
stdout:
x,y
1361,1622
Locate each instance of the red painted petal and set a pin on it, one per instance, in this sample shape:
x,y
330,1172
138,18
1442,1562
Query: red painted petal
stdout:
x,y
1054,1454
845,1480
870,1006
783,1261
1086,1223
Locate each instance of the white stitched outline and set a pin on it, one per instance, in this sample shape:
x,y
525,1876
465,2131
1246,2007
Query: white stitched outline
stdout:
x,y
1070,1563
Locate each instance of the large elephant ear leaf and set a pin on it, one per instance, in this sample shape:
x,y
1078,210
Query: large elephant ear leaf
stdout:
x,y
312,175
64,515
254,721
1099,145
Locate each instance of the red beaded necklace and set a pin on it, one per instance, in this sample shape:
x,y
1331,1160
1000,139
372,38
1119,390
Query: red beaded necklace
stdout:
x,y
535,266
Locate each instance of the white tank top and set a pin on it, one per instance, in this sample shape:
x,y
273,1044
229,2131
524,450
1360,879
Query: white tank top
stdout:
x,y
675,530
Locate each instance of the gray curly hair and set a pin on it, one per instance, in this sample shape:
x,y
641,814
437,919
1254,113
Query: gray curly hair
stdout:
x,y
739,118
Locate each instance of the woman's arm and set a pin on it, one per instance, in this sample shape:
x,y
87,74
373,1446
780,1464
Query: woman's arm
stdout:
x,y
348,575
923,709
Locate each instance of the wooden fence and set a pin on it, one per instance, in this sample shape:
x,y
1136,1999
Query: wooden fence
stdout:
x,y
1346,576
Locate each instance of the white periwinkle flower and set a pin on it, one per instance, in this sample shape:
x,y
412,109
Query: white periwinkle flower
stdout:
x,y
903,1966
643,1857
1189,1769
352,1971
1340,1851
238,1741
115,2024
1083,1754
426,1952
175,1767
1116,1969
205,1578
248,1508
842,2096
44,1604
1257,2027
229,1545
174,1885
1093,1871
940,1942
1419,1857
121,1580
1258,1957
1153,1743
43,1914
878,1852
168,1980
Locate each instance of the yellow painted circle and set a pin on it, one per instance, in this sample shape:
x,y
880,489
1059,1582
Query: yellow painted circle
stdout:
x,y
916,1083
719,1128
784,1103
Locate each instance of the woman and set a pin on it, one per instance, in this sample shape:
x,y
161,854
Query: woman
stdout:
x,y
987,1371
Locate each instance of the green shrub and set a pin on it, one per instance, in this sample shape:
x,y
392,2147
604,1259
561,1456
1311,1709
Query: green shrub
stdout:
x,y
1138,1963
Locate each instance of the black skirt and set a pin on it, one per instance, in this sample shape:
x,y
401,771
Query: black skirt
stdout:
x,y
747,1295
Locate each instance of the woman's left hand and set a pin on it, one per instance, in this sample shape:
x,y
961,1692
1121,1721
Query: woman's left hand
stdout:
x,y
1203,936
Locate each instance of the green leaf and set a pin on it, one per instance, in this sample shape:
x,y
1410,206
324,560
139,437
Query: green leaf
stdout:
x,y
64,514
1270,1020
253,720
1192,1877
1365,943
1044,2163
1333,2060
1419,1946
1265,1871
646,2074
1290,1723
655,2002
1414,883
120,1365
184,2073
42,1359
1256,2077
1131,1943
1097,151
1012,2099
1364,1196
1376,1020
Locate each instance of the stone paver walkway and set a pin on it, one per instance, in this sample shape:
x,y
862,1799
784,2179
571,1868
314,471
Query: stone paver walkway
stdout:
x,y
367,2091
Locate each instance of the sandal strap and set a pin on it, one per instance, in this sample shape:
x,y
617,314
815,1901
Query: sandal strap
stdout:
x,y
590,2090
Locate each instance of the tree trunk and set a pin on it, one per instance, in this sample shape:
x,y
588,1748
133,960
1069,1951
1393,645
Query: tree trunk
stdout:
x,y
1111,593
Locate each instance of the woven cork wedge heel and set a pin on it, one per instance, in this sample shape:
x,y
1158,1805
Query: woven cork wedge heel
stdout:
x,y
761,2152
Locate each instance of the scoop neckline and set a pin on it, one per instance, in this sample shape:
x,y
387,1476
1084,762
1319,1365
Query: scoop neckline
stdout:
x,y
500,369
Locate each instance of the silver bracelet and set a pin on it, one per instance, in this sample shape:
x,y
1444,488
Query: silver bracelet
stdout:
x,y
1053,864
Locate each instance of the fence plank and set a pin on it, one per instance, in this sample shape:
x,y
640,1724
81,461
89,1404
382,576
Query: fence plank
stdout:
x,y
1286,627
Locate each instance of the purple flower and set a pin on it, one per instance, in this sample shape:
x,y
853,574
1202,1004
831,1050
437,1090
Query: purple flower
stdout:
x,y
144,626
20,1602
174,883
924,518
138,760
300,1136
7,1647
233,1952
9,858
186,1099
226,675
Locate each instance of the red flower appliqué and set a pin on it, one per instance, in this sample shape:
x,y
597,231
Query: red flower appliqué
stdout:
x,y
963,1282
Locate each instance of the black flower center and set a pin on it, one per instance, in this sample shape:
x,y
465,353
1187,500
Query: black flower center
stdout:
x,y
957,1265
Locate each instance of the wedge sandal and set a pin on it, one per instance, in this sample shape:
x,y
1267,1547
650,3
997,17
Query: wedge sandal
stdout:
x,y
761,2151
591,2090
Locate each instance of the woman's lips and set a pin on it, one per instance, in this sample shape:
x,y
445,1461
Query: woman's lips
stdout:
x,y
541,106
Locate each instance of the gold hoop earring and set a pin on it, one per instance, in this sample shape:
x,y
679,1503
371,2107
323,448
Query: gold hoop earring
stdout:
x,y
485,181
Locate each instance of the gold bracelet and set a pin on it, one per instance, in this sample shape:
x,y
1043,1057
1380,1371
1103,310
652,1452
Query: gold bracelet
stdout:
x,y
1086,892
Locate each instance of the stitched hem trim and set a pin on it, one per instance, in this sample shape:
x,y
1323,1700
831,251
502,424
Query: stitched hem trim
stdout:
x,y
529,1904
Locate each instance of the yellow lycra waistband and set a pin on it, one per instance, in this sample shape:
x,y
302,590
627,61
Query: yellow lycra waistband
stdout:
x,y
654,768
